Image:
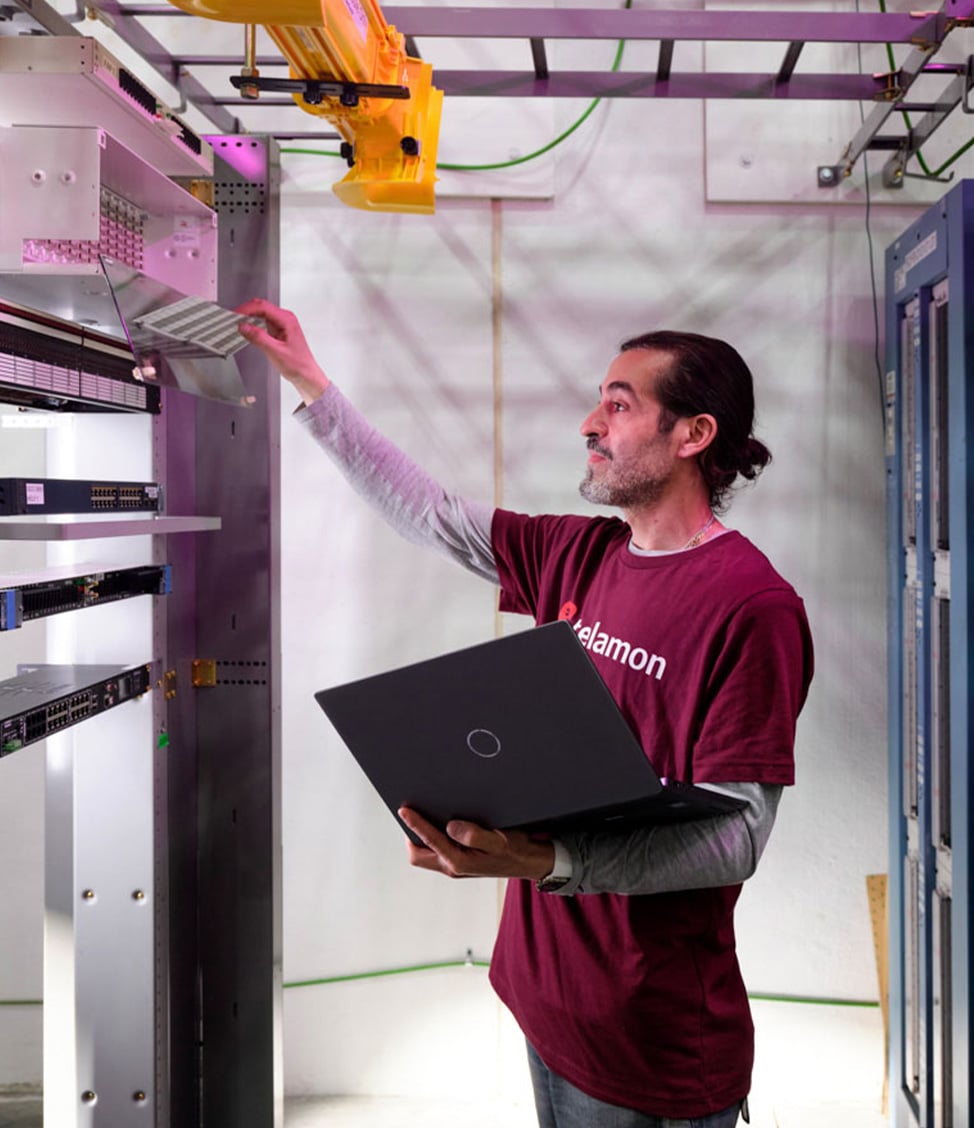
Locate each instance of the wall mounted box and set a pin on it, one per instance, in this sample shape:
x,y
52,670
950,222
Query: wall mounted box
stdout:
x,y
71,194
74,80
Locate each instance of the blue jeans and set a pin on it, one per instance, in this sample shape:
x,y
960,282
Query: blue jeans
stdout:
x,y
561,1105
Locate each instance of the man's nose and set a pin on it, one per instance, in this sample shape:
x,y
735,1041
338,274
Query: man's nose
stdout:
x,y
594,422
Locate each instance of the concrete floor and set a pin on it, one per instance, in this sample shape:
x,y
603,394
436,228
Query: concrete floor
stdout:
x,y
816,1067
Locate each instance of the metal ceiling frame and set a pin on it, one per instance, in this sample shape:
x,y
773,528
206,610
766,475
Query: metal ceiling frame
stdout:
x,y
924,32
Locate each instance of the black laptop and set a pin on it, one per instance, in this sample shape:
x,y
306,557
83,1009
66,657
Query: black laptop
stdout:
x,y
517,732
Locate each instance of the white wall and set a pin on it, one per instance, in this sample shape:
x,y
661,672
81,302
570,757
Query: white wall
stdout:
x,y
398,309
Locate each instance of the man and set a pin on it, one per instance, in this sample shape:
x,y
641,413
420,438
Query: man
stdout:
x,y
615,951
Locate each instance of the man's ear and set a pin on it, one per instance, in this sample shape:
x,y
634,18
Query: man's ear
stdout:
x,y
699,431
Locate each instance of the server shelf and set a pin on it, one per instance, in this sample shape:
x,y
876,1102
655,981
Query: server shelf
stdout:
x,y
20,529
23,599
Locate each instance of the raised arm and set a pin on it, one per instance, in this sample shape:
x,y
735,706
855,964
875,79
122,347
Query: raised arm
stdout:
x,y
408,499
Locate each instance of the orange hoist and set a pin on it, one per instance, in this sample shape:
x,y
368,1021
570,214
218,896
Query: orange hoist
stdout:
x,y
348,65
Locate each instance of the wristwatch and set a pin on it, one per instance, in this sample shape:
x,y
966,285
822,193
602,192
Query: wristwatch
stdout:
x,y
561,871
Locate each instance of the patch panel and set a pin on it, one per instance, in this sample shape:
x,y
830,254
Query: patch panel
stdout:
x,y
50,364
20,496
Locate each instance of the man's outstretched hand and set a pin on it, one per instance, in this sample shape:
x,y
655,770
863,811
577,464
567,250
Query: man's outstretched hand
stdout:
x,y
284,344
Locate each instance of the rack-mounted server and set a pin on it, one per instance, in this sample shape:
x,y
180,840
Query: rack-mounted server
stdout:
x,y
20,496
929,424
23,599
42,700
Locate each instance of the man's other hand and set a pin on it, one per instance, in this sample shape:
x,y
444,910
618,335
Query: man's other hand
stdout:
x,y
465,849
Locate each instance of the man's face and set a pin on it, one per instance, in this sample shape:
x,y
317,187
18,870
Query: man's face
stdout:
x,y
630,460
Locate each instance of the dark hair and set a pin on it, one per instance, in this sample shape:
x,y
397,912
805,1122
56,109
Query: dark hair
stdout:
x,y
709,377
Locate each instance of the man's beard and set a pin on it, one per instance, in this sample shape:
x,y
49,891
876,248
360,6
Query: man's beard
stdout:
x,y
630,492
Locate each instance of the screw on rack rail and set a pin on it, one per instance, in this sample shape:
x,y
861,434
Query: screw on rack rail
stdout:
x,y
892,88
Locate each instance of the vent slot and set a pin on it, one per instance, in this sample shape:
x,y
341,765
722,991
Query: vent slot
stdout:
x,y
137,92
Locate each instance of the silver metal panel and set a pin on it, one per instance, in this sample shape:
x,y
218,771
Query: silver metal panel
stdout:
x,y
911,706
939,502
61,1091
632,23
224,760
909,343
99,1060
12,528
65,191
911,983
940,755
943,1063
74,80
114,946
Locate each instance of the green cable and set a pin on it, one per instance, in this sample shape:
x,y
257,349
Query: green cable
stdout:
x,y
808,1000
811,1000
615,66
909,125
515,160
470,962
906,117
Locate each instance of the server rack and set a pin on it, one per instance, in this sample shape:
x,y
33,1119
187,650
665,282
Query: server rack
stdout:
x,y
929,423
199,991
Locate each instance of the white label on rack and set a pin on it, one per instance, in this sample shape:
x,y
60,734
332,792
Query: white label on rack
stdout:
x,y
918,254
35,493
186,233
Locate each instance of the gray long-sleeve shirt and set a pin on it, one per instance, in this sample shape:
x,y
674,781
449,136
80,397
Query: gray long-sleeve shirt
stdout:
x,y
651,859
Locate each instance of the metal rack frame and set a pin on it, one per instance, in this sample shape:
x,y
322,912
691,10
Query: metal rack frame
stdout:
x,y
924,32
930,416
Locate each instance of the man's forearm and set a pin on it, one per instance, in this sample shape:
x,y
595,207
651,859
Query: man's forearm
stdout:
x,y
412,502
664,859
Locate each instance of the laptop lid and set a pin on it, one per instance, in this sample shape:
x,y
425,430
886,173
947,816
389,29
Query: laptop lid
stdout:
x,y
517,732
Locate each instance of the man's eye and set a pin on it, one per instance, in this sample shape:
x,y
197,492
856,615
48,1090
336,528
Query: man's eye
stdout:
x,y
617,406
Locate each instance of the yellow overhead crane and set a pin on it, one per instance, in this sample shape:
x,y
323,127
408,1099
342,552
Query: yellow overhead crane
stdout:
x,y
348,65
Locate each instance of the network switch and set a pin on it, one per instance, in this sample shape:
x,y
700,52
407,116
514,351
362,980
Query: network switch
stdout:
x,y
42,700
19,496
23,598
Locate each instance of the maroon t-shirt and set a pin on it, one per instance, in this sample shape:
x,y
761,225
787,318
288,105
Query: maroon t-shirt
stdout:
x,y
638,1000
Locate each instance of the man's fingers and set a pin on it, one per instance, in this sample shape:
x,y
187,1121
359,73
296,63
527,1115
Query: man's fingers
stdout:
x,y
475,837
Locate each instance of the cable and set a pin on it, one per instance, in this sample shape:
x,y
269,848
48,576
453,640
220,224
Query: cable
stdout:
x,y
869,242
932,173
892,66
471,962
616,62
872,281
468,962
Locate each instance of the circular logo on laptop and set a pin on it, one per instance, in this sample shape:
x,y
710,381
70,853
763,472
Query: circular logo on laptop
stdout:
x,y
483,743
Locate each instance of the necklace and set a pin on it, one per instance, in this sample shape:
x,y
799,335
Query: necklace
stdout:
x,y
699,534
